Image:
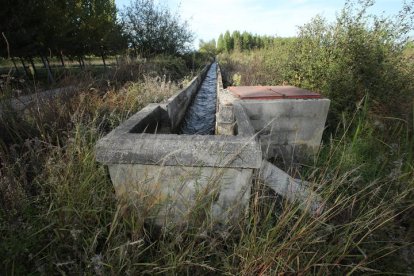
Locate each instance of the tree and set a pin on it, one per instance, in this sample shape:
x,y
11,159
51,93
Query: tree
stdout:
x,y
76,27
220,44
247,41
154,29
208,47
237,41
228,42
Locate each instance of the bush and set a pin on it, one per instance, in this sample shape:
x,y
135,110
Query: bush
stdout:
x,y
356,56
153,29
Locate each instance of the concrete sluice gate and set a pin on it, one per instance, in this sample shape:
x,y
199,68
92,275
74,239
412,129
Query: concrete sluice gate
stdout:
x,y
175,177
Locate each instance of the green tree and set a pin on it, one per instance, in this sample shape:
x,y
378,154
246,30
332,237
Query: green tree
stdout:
x,y
76,27
220,44
208,47
237,41
247,41
228,42
154,29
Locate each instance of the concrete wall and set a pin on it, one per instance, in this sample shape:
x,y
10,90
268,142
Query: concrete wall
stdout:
x,y
171,194
225,120
288,127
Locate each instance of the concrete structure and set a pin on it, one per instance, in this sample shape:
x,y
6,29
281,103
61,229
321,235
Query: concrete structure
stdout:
x,y
289,126
170,176
152,166
292,189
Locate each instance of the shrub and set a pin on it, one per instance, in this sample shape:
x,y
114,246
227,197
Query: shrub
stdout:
x,y
357,55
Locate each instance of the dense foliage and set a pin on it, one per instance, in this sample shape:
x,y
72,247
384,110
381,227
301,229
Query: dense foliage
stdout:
x,y
89,27
40,27
154,29
237,41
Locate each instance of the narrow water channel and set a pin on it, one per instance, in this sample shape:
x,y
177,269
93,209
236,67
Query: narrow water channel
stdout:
x,y
200,117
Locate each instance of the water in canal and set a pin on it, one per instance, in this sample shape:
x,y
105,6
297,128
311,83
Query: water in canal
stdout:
x,y
200,117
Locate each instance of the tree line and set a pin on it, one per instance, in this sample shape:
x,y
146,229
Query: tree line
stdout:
x,y
70,27
75,28
245,41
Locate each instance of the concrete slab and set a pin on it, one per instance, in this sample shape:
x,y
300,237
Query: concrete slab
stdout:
x,y
292,189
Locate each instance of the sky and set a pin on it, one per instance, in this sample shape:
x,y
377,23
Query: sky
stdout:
x,y
208,18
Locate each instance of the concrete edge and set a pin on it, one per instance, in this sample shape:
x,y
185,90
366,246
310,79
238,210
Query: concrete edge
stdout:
x,y
244,127
292,189
121,146
179,150
132,121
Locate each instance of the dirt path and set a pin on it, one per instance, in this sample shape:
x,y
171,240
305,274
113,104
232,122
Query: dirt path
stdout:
x,y
36,99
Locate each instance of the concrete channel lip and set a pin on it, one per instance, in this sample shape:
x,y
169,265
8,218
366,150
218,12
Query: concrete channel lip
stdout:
x,y
180,150
124,145
272,92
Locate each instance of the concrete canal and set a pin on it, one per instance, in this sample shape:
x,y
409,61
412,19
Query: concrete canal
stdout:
x,y
200,117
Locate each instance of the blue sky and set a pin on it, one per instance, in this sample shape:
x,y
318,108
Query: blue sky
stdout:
x,y
209,18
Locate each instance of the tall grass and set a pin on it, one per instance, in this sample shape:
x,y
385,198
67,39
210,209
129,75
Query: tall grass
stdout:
x,y
53,193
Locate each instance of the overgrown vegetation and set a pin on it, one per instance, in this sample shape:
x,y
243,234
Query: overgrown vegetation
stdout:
x,y
154,29
59,214
69,31
359,55
363,64
245,41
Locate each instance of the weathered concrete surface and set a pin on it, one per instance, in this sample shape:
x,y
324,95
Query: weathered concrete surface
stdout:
x,y
179,150
288,127
225,120
243,126
181,193
292,189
